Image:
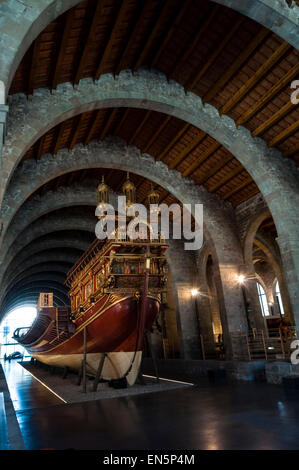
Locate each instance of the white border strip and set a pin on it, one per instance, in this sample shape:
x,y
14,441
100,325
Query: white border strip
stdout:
x,y
168,380
46,386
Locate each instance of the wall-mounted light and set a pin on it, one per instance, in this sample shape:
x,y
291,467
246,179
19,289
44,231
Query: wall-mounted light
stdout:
x,y
194,292
241,279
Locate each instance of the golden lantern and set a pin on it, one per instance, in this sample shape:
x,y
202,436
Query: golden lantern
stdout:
x,y
153,196
129,191
103,192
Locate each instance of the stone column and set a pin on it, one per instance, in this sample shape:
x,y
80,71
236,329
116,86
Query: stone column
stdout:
x,y
289,250
256,316
188,325
232,309
183,269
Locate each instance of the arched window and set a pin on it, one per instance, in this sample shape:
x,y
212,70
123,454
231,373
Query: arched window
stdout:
x,y
263,300
278,298
18,318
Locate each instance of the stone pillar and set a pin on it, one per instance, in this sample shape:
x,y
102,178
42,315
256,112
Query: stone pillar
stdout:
x,y
256,316
187,322
232,309
183,269
289,250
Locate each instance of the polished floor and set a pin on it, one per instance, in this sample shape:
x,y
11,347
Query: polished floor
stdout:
x,y
219,416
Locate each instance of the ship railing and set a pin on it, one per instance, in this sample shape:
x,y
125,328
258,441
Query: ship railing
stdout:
x,y
21,332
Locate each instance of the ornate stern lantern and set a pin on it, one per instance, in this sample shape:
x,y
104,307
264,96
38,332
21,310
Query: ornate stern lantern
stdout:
x,y
103,192
153,196
129,191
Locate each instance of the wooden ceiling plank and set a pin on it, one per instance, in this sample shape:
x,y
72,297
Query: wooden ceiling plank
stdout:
x,y
237,64
157,133
184,7
89,40
61,54
93,127
114,31
188,149
203,157
258,75
152,36
284,81
218,166
34,62
284,134
291,151
62,127
75,135
173,141
40,147
194,79
227,178
140,127
121,122
132,39
242,185
108,124
186,53
273,119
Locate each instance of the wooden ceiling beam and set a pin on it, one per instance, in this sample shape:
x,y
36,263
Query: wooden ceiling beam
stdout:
x,y
186,53
114,31
203,157
215,168
248,180
77,130
157,133
291,151
227,178
89,40
132,36
121,122
256,77
146,49
256,107
93,126
273,119
140,127
173,141
237,64
62,127
34,62
108,124
187,150
190,85
40,147
284,134
184,7
61,54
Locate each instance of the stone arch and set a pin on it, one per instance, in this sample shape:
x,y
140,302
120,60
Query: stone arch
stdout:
x,y
49,225
51,242
253,227
23,24
37,206
63,256
276,177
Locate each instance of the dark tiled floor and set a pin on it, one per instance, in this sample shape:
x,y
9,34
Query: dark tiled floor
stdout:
x,y
239,416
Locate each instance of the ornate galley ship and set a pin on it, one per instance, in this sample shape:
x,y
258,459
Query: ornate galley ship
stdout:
x,y
115,292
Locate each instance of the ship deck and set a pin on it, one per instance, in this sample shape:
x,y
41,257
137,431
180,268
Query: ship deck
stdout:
x,y
225,416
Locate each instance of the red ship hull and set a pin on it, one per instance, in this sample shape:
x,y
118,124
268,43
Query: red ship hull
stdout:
x,y
111,328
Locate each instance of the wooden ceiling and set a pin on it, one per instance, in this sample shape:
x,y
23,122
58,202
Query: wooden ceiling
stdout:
x,y
235,64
